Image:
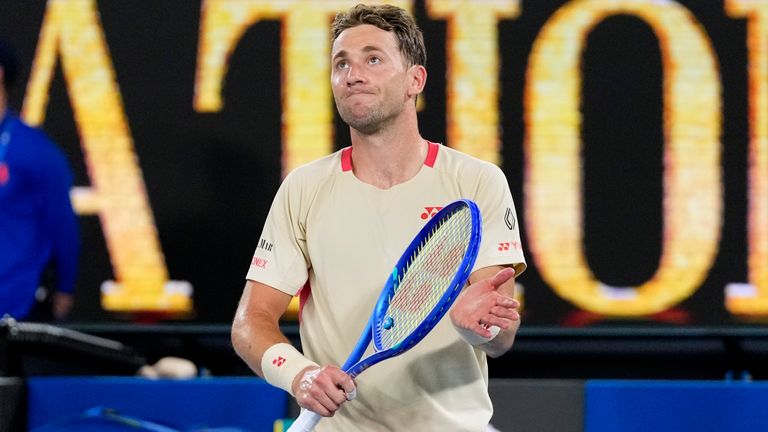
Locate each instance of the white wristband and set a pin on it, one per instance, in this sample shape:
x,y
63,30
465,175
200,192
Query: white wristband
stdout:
x,y
475,339
281,363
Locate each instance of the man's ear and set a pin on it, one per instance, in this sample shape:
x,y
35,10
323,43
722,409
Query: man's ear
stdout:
x,y
418,76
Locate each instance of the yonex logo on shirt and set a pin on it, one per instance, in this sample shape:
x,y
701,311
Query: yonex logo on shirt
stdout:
x,y
506,245
259,262
429,212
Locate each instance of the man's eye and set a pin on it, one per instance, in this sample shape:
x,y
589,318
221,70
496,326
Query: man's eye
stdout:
x,y
374,60
341,65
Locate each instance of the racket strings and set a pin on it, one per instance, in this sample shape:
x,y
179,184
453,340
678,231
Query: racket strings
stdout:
x,y
429,273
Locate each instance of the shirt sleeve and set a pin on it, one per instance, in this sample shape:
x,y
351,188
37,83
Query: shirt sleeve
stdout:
x,y
280,259
501,244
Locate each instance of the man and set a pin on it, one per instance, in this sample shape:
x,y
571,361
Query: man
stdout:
x,y
338,225
38,227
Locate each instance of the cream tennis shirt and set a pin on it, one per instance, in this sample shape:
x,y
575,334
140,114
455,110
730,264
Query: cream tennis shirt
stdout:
x,y
336,239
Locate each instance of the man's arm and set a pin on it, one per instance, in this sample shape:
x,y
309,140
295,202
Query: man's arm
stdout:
x,y
256,332
256,326
489,301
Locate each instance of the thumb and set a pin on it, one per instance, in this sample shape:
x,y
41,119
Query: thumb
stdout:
x,y
502,276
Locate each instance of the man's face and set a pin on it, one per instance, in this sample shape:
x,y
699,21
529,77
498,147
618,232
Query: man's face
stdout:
x,y
368,77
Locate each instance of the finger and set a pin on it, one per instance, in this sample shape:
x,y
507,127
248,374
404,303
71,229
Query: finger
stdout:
x,y
338,396
351,395
334,385
483,329
493,321
342,380
318,408
319,392
507,302
347,385
327,399
504,318
506,313
502,276
306,400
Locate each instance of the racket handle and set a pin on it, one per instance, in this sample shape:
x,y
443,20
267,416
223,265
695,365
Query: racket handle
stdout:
x,y
306,421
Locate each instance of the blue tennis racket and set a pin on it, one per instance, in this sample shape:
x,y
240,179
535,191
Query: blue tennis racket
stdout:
x,y
422,287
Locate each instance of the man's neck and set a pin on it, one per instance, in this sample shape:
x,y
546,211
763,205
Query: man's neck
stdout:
x,y
388,158
391,156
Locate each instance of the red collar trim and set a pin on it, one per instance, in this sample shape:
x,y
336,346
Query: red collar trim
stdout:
x,y
346,159
432,149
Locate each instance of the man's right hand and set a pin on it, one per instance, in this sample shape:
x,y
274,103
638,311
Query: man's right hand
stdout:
x,y
323,390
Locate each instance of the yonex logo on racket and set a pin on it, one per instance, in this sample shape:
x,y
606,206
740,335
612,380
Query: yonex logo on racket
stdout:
x,y
278,361
429,212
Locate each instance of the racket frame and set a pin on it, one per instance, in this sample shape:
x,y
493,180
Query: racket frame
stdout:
x,y
354,366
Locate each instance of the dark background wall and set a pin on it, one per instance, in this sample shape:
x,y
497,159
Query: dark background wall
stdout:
x,y
210,177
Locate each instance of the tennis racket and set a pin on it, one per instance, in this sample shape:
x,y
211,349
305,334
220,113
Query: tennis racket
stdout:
x,y
422,287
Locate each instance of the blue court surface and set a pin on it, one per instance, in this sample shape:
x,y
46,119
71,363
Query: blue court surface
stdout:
x,y
135,404
676,406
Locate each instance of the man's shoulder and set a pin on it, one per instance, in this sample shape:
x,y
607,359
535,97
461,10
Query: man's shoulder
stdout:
x,y
456,160
325,166
313,174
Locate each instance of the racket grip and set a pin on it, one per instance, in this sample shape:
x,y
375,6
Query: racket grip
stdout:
x,y
306,421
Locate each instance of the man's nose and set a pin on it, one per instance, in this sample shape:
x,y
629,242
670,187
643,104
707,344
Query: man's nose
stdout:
x,y
355,75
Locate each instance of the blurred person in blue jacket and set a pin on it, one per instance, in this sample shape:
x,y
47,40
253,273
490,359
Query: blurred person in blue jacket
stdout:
x,y
39,233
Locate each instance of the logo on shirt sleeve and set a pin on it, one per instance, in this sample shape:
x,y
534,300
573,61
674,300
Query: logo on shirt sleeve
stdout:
x,y
509,218
265,244
259,262
505,246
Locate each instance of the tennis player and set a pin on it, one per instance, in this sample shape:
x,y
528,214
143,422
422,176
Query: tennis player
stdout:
x,y
337,226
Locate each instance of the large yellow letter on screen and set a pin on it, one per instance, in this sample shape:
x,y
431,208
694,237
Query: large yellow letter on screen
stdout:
x,y
692,206
752,298
305,56
117,194
473,72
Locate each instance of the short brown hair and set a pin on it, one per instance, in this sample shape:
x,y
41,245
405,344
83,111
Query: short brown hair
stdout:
x,y
389,18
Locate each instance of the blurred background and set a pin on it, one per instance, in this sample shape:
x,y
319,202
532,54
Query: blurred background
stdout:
x,y
634,135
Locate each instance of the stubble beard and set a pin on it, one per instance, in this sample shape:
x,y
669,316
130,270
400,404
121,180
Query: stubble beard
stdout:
x,y
369,123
